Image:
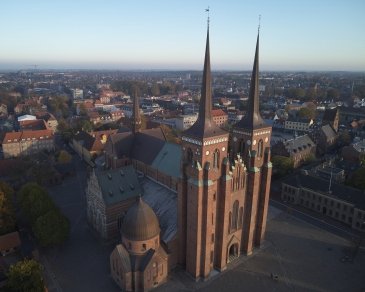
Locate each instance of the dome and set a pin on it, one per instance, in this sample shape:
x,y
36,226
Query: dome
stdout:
x,y
140,223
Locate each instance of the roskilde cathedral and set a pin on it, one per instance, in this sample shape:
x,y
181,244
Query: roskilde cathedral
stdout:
x,y
222,198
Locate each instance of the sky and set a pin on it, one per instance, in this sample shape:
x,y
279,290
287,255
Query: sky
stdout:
x,y
306,35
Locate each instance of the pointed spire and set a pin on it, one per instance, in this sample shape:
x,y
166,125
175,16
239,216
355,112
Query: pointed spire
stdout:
x,y
136,123
205,106
205,126
252,118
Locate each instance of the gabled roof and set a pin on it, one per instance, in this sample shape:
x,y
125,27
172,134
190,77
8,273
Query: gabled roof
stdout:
x,y
93,141
329,132
9,241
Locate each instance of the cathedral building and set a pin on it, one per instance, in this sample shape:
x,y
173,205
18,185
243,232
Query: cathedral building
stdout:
x,y
222,198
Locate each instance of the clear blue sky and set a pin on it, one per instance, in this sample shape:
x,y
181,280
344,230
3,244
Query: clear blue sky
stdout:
x,y
167,34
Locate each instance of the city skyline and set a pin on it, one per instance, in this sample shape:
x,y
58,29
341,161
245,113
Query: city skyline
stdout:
x,y
307,36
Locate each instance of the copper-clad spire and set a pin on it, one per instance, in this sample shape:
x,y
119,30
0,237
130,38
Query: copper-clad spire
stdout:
x,y
252,118
205,126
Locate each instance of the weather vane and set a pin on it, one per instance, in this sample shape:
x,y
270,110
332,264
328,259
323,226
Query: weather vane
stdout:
x,y
207,10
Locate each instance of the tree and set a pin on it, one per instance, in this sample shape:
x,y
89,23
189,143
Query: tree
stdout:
x,y
64,157
25,276
344,139
306,112
333,93
36,203
52,228
282,165
7,213
170,134
357,180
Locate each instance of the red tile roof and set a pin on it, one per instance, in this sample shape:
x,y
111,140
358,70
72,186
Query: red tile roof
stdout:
x,y
10,137
10,240
218,112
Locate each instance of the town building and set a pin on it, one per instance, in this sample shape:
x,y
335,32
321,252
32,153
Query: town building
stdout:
x,y
298,124
77,93
299,149
89,145
219,117
27,142
184,122
339,202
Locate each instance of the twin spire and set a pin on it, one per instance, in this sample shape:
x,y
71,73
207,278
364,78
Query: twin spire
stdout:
x,y
252,118
205,127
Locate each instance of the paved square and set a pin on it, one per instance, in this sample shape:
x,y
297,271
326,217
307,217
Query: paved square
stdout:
x,y
303,257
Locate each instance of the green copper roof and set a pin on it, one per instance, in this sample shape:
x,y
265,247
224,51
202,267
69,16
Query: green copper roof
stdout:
x,y
118,184
168,160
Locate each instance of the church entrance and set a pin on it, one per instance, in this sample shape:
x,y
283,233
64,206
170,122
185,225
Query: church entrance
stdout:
x,y
233,252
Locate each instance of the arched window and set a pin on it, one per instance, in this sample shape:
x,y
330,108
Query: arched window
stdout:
x,y
230,222
242,147
216,158
240,217
189,155
235,215
260,149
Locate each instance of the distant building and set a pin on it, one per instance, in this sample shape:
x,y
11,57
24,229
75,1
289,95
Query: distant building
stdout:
x,y
33,125
185,121
219,117
77,93
297,124
354,153
50,120
325,137
339,202
27,142
3,111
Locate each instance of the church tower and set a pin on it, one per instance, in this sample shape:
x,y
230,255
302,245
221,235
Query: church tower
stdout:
x,y
250,139
204,148
136,116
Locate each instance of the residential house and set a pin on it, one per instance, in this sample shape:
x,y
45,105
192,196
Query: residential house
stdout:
x,y
299,149
91,144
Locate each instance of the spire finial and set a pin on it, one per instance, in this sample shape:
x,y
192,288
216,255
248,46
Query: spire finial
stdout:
x,y
207,10
258,29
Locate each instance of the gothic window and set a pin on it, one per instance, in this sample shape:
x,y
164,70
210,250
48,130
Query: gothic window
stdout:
x,y
230,222
260,150
241,217
235,215
216,158
189,155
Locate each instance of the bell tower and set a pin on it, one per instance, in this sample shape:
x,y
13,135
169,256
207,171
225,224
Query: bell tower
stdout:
x,y
250,139
204,148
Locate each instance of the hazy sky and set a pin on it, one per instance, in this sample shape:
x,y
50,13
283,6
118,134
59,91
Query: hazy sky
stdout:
x,y
168,34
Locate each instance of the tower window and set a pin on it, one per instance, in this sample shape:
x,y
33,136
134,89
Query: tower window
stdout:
x,y
189,155
216,158
242,147
260,150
